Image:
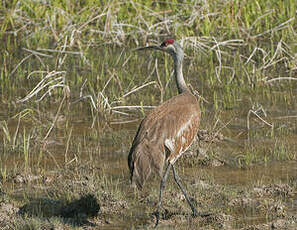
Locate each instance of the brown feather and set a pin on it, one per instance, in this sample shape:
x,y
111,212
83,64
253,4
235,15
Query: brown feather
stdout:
x,y
164,134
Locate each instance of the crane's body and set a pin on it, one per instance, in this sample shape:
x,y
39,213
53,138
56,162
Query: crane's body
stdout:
x,y
163,136
167,131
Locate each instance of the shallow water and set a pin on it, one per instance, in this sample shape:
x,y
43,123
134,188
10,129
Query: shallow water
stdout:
x,y
282,171
108,142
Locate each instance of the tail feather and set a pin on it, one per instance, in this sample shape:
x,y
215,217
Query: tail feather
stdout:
x,y
143,159
141,170
140,163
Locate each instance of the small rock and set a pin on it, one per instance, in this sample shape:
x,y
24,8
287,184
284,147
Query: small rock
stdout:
x,y
279,224
216,163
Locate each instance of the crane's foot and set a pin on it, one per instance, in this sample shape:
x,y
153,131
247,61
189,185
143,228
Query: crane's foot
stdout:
x,y
195,213
200,214
203,214
157,214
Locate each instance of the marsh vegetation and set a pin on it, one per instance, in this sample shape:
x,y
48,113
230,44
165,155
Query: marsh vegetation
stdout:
x,y
72,93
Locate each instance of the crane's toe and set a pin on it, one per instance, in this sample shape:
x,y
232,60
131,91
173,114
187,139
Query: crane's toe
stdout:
x,y
157,214
204,214
195,214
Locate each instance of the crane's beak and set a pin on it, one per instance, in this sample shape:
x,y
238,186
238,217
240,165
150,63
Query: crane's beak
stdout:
x,y
149,47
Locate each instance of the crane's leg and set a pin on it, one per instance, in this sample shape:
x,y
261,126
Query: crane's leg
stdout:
x,y
177,180
162,186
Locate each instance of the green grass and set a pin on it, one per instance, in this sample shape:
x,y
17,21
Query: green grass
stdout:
x,y
241,43
68,68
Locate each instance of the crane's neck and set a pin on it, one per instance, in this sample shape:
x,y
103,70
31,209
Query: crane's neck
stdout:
x,y
178,73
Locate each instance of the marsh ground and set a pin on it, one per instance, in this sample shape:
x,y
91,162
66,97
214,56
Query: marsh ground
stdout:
x,y
72,93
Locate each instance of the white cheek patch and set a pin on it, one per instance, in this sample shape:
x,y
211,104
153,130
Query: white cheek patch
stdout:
x,y
171,47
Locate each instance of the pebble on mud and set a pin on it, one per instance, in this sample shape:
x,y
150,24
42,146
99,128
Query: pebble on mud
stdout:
x,y
6,211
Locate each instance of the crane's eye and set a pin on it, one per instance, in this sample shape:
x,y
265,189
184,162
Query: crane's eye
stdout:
x,y
166,43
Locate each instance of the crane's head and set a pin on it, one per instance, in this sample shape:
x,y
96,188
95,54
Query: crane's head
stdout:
x,y
169,46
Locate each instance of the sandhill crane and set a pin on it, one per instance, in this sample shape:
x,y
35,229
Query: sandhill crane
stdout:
x,y
166,132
